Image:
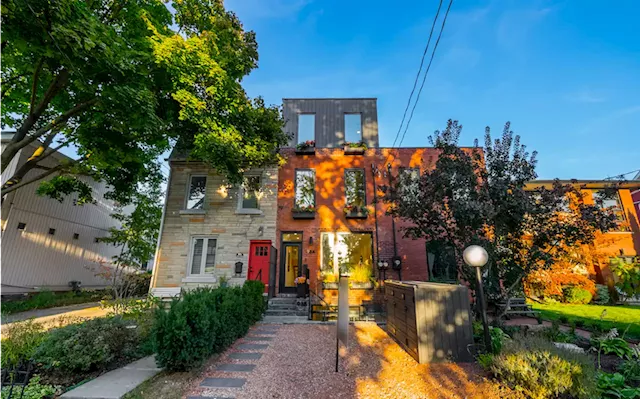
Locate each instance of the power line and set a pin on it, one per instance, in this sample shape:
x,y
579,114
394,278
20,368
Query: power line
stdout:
x,y
415,82
424,77
621,174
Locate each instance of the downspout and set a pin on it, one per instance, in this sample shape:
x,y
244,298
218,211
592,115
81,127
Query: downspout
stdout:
x,y
375,213
393,226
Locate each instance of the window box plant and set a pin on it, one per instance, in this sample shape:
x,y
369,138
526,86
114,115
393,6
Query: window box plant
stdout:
x,y
330,280
306,148
304,212
356,148
356,211
360,278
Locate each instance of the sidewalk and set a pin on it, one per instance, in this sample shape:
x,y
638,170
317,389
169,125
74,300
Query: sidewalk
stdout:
x,y
116,383
50,316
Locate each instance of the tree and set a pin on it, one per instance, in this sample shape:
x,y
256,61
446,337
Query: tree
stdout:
x,y
113,81
480,197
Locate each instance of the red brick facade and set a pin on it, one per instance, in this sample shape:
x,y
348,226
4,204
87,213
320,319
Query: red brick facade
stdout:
x,y
329,165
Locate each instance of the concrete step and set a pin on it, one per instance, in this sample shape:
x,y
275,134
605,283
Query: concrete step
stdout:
x,y
280,312
282,300
282,306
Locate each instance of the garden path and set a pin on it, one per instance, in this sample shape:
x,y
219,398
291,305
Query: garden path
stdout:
x,y
298,361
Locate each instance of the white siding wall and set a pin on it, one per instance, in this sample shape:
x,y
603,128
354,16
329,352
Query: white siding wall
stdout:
x,y
32,259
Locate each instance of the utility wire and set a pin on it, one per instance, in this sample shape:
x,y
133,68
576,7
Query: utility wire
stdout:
x,y
424,78
621,175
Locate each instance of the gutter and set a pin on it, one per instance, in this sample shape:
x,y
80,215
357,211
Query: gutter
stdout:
x,y
156,258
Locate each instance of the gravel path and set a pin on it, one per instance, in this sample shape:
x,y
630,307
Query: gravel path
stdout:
x,y
299,362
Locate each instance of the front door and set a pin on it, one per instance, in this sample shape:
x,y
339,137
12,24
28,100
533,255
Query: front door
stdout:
x,y
291,260
259,261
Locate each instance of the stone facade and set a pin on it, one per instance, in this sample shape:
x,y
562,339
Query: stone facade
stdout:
x,y
220,218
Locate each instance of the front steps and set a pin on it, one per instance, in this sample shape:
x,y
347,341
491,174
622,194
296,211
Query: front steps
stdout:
x,y
287,305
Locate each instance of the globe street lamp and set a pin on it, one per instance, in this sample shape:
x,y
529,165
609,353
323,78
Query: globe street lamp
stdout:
x,y
476,256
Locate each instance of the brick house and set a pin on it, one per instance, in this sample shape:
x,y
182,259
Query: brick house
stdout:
x,y
316,213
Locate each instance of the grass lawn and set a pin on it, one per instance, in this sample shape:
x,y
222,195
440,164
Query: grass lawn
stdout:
x,y
619,317
48,299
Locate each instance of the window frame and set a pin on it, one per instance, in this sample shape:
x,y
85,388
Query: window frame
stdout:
x,y
203,261
298,141
240,209
344,122
618,209
364,183
188,194
335,241
295,185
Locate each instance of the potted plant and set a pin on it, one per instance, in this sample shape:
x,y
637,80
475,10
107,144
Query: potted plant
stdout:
x,y
354,148
301,285
356,211
361,278
330,280
304,212
223,281
306,148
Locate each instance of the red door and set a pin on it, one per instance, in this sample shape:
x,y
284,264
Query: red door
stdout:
x,y
259,251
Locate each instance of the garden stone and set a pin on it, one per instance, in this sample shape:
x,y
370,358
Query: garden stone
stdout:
x,y
569,347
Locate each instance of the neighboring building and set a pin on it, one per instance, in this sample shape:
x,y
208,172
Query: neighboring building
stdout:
x,y
46,243
635,195
625,239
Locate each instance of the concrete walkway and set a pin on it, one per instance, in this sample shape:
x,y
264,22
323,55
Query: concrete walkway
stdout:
x,y
116,383
54,317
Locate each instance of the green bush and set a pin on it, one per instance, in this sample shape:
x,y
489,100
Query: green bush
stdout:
x,y
573,294
20,341
602,296
48,299
203,322
539,370
614,386
630,369
92,345
33,390
137,283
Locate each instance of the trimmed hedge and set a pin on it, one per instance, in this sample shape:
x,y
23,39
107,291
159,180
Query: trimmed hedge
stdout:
x,y
203,322
574,294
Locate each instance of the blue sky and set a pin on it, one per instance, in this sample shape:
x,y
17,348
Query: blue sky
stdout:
x,y
566,74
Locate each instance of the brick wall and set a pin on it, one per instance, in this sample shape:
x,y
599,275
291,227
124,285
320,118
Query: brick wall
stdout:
x,y
329,166
219,219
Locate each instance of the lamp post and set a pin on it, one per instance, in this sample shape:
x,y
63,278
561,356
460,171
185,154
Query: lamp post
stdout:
x,y
476,256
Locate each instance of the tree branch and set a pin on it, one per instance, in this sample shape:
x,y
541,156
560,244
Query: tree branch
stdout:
x,y
9,187
34,84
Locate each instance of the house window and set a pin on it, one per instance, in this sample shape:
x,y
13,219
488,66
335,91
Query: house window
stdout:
x,y
292,237
250,193
76,236
352,252
353,128
354,187
442,266
613,203
22,226
306,127
52,232
197,190
203,256
305,198
409,178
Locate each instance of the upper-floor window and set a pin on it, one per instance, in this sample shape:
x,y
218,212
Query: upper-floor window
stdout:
x,y
409,178
353,128
250,191
354,187
305,189
612,202
203,256
197,190
306,127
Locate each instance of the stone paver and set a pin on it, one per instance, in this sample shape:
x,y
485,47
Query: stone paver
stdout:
x,y
265,332
223,382
115,384
258,339
253,346
245,355
236,367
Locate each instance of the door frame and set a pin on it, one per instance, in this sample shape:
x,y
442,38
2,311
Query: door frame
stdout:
x,y
281,285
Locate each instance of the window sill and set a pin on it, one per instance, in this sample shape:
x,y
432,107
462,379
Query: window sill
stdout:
x,y
249,212
193,211
619,232
200,279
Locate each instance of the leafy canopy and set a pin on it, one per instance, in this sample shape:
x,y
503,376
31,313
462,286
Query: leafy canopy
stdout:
x,y
114,82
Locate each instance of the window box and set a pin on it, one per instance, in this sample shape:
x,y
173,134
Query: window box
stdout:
x,y
356,215
362,285
356,212
329,286
306,148
303,215
354,150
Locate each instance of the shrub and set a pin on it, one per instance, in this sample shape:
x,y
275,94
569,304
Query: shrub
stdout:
x,y
574,294
48,299
33,390
20,341
535,367
614,386
627,276
203,322
137,283
630,369
92,345
602,296
498,338
550,283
